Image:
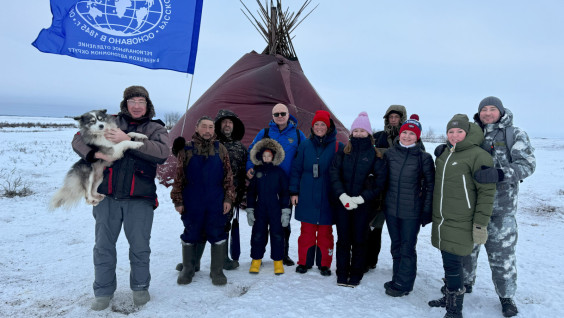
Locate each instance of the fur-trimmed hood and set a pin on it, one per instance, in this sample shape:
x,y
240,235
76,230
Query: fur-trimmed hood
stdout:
x,y
238,126
261,146
397,108
137,91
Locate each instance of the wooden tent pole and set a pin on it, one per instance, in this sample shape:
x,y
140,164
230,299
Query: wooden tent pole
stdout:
x,y
273,30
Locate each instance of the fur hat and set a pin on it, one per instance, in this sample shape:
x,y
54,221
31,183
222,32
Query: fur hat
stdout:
x,y
492,101
459,121
412,124
137,91
322,115
363,122
267,144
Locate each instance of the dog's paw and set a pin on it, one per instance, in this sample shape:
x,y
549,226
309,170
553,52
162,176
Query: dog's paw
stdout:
x,y
137,135
99,197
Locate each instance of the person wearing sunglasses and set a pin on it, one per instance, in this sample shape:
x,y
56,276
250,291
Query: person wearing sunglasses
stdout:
x,y
284,129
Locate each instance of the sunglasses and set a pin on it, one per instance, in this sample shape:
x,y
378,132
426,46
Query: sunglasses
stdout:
x,y
283,114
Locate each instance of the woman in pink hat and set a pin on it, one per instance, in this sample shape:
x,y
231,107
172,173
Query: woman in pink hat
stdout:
x,y
358,175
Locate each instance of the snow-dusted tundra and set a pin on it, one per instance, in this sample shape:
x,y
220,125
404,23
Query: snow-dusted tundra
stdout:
x,y
46,265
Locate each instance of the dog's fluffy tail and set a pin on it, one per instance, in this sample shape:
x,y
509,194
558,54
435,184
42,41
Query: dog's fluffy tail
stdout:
x,y
68,196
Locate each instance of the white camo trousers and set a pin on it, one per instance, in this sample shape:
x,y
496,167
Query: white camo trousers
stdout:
x,y
500,247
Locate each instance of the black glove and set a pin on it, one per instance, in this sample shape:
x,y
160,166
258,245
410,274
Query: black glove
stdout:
x,y
488,175
178,145
426,219
439,150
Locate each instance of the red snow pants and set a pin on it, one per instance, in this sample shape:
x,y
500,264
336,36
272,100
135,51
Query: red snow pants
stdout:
x,y
315,243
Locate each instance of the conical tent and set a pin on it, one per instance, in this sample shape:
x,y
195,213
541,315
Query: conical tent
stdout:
x,y
250,88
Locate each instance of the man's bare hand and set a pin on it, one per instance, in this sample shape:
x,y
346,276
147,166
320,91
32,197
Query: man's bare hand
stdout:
x,y
226,207
294,200
179,209
250,173
116,135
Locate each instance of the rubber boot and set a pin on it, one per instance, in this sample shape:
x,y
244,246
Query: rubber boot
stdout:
x,y
188,264
454,302
141,297
278,268
255,266
216,267
229,264
101,303
200,247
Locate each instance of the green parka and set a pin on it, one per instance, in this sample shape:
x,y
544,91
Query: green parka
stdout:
x,y
458,199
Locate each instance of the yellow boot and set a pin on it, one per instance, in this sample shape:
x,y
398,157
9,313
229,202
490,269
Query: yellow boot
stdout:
x,y
278,268
255,266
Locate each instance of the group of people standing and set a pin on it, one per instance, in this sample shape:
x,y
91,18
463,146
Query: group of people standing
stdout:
x,y
469,194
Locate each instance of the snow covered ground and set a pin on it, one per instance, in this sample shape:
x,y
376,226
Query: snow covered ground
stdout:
x,y
46,265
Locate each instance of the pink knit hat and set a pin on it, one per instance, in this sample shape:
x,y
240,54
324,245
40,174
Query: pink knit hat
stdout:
x,y
363,122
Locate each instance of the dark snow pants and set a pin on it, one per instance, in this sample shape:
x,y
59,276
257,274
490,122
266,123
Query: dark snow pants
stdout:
x,y
259,235
352,232
403,234
452,265
136,215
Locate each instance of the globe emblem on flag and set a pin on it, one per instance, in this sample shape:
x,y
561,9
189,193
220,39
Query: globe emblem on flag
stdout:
x,y
121,17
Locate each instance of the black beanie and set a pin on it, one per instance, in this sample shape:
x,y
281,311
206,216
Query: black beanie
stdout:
x,y
492,101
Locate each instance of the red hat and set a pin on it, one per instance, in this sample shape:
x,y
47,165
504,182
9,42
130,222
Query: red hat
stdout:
x,y
322,115
412,124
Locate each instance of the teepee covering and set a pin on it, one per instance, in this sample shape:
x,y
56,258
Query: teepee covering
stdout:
x,y
250,88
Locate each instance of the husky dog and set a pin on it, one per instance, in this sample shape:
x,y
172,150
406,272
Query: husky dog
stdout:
x,y
83,178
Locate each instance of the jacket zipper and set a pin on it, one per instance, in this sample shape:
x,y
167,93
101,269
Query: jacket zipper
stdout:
x,y
399,187
442,196
466,191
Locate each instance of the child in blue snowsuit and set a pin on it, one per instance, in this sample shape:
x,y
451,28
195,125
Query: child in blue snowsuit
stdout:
x,y
268,204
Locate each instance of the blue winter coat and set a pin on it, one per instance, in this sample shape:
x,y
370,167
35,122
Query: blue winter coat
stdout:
x,y
288,138
314,202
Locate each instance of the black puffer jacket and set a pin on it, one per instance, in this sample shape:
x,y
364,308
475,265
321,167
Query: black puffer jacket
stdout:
x,y
360,172
411,178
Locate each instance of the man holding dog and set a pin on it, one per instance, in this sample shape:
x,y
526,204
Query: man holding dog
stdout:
x,y
130,197
203,194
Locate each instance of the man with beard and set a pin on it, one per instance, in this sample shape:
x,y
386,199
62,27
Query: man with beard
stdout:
x,y
230,130
203,194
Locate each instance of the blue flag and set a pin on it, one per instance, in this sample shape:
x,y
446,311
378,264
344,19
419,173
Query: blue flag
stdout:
x,y
156,34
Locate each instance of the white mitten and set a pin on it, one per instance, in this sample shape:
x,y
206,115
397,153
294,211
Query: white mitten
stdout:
x,y
347,202
357,200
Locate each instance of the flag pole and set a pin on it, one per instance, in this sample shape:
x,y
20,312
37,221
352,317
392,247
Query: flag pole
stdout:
x,y
187,105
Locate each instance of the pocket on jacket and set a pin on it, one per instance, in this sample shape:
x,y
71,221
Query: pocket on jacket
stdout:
x,y
143,180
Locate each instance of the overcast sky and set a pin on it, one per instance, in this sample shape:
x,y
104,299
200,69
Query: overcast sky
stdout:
x,y
437,58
